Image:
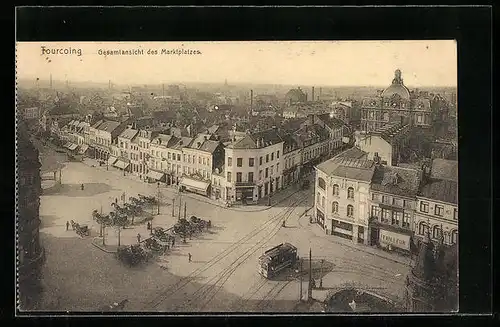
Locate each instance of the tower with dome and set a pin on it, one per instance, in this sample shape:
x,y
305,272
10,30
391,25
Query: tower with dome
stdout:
x,y
396,104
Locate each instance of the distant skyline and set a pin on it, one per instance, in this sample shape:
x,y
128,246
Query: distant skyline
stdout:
x,y
429,63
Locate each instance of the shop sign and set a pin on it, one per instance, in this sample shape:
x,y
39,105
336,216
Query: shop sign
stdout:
x,y
394,239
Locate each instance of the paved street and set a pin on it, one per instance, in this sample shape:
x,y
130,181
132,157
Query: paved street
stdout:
x,y
223,272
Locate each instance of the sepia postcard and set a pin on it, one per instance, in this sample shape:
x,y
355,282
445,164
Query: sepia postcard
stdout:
x,y
237,177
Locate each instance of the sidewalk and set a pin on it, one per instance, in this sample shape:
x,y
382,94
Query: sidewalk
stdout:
x,y
316,229
262,206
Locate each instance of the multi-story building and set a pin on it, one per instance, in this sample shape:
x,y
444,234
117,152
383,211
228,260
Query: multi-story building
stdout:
x,y
394,104
253,166
387,143
292,159
102,134
30,252
437,202
129,151
200,157
163,155
393,201
342,196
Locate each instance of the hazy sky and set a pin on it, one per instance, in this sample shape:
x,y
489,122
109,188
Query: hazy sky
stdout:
x,y
335,63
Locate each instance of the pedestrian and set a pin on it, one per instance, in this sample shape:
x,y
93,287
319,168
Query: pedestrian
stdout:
x,y
209,223
173,241
149,225
138,238
116,200
82,187
189,257
67,225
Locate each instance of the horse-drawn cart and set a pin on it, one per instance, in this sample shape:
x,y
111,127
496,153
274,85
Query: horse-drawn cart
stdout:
x,y
81,230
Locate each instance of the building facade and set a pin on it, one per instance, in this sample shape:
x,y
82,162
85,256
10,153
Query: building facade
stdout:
x,y
394,104
437,202
342,202
393,201
253,166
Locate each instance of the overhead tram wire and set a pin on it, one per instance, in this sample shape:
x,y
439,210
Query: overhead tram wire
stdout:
x,y
185,280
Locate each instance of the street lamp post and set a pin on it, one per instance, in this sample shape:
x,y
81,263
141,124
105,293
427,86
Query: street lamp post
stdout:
x,y
158,200
270,191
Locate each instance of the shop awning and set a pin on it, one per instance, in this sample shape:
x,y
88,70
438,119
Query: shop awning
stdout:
x,y
111,160
195,184
83,148
155,175
72,146
121,164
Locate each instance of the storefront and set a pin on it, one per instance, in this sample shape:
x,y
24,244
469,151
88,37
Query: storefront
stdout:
x,y
112,160
244,193
121,164
83,148
320,218
194,186
155,176
342,229
391,238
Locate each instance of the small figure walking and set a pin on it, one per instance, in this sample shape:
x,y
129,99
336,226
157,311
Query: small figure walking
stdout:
x,y
149,225
189,257
116,200
209,223
82,187
67,225
138,238
173,242
283,224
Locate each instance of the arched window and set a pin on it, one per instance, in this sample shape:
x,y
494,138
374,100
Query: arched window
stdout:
x,y
350,193
321,183
350,210
335,207
435,232
454,237
335,190
422,228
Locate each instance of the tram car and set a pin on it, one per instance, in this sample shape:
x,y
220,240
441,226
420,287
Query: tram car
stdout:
x,y
276,259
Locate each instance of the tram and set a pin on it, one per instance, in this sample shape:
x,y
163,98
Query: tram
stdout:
x,y
276,259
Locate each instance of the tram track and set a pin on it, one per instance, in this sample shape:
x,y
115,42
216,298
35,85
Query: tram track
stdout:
x,y
273,292
207,292
168,292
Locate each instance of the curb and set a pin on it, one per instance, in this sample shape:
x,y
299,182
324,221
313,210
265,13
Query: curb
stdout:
x,y
100,247
209,202
354,247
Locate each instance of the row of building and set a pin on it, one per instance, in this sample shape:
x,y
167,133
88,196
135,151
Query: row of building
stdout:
x,y
386,205
248,167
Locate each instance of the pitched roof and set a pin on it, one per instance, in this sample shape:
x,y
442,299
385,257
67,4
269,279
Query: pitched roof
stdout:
x,y
209,146
108,126
358,169
441,190
354,153
331,121
129,133
444,169
266,138
389,131
397,180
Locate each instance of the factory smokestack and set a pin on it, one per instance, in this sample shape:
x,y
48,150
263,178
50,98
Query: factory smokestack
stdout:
x,y
320,90
312,94
51,81
251,101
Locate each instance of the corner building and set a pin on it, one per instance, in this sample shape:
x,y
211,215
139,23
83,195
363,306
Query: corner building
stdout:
x,y
253,166
342,192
